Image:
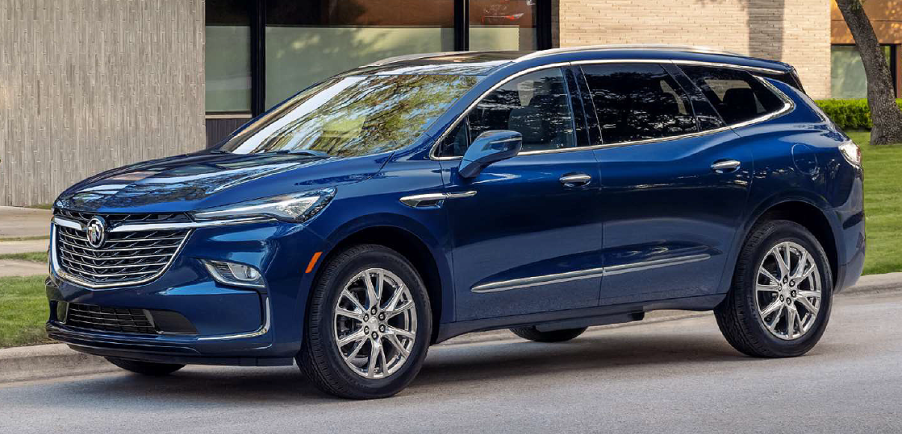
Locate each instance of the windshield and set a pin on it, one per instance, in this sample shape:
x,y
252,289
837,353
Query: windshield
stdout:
x,y
353,115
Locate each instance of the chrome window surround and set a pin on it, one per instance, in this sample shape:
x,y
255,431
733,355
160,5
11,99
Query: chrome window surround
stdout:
x,y
527,282
788,105
135,227
657,47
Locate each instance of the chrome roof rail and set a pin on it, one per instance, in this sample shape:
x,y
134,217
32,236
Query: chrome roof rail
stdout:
x,y
408,57
664,47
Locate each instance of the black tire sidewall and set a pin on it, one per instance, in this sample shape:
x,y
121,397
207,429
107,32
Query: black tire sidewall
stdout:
x,y
778,232
343,268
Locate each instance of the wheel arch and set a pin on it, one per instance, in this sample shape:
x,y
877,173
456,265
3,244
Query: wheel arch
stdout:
x,y
411,240
806,212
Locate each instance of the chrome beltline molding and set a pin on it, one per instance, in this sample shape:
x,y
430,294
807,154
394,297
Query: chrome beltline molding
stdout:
x,y
788,105
547,279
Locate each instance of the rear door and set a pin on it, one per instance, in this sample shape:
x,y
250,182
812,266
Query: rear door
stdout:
x,y
526,231
672,191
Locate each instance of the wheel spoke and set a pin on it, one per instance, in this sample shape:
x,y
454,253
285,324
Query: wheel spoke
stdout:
x,y
393,340
809,294
372,298
773,322
356,349
398,332
782,263
806,273
374,358
390,306
791,316
767,288
807,305
399,310
353,337
353,299
354,315
771,308
800,267
768,275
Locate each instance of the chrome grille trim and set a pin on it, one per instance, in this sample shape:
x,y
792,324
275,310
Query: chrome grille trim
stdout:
x,y
127,258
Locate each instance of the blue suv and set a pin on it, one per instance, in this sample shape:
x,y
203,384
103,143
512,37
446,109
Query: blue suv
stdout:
x,y
409,201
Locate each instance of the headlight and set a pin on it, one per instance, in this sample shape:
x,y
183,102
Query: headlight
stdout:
x,y
295,208
851,152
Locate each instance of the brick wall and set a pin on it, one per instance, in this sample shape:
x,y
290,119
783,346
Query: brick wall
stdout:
x,y
793,31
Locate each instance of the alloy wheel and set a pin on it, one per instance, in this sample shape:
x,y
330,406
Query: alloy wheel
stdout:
x,y
788,291
375,323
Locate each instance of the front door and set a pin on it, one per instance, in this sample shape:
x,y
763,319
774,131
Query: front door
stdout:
x,y
526,231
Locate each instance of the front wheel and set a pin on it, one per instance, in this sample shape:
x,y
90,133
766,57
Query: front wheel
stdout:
x,y
145,368
780,300
368,326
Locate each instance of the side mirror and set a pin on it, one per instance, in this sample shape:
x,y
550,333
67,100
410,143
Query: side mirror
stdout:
x,y
489,147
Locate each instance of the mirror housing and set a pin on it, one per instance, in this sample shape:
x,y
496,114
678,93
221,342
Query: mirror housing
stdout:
x,y
489,147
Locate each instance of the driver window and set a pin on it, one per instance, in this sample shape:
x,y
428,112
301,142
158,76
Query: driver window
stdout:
x,y
536,105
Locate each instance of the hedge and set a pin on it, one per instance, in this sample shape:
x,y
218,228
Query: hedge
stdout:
x,y
849,114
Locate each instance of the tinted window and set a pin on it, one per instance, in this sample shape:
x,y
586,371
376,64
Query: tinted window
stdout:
x,y
737,95
536,105
638,102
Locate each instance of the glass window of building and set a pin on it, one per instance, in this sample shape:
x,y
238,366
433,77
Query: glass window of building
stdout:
x,y
308,41
227,64
847,78
503,25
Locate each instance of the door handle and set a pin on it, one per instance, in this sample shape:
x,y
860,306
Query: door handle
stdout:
x,y
725,166
575,180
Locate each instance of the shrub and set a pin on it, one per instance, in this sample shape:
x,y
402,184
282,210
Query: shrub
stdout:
x,y
849,114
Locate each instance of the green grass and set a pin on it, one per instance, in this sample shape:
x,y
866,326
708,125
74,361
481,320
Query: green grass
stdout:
x,y
31,256
882,204
41,206
23,311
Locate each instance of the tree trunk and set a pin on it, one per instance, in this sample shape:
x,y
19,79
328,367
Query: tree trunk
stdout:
x,y
885,113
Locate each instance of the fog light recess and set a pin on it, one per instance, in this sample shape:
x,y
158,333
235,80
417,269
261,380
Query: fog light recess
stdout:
x,y
231,273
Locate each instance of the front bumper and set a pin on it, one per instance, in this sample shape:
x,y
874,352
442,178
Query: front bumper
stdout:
x,y
233,326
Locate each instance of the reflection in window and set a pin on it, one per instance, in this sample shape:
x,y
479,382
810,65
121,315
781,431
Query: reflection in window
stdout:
x,y
309,41
736,95
638,102
353,115
536,105
227,64
503,25
847,77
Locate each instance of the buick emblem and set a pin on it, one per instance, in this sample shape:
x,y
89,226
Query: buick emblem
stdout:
x,y
96,232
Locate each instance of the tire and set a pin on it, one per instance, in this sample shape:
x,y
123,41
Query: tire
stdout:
x,y
533,334
145,368
325,363
754,293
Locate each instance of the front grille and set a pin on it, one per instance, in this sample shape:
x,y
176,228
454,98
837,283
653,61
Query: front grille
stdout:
x,y
109,319
125,257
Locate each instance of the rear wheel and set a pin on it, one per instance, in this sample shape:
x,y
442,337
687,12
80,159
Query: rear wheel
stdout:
x,y
369,325
781,296
145,368
533,334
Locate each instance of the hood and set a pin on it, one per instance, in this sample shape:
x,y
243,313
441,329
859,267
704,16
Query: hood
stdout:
x,y
198,181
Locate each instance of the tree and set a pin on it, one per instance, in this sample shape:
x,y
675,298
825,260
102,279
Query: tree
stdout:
x,y
885,114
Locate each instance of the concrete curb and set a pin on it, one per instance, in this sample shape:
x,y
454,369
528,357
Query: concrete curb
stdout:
x,y
42,362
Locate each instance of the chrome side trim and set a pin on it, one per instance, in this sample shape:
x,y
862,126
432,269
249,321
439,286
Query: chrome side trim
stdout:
x,y
57,270
664,47
788,106
139,227
264,328
538,280
547,279
66,223
416,200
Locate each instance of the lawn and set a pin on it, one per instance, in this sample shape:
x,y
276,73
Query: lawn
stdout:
x,y
31,256
23,311
882,204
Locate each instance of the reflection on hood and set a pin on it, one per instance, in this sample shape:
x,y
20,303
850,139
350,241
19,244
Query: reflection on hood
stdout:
x,y
189,178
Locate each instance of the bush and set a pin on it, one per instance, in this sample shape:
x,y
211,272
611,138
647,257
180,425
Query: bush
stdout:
x,y
849,114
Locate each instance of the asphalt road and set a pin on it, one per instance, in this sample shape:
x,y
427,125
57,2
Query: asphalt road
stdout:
x,y
676,376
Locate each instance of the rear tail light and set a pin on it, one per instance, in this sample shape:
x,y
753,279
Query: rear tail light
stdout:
x,y
851,152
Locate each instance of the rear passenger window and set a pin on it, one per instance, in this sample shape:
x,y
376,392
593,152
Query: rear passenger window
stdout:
x,y
638,102
735,94
536,105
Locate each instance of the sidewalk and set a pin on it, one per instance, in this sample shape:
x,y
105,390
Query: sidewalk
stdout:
x,y
16,222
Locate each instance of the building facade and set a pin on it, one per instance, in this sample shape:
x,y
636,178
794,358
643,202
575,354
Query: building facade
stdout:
x,y
88,85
